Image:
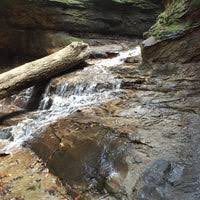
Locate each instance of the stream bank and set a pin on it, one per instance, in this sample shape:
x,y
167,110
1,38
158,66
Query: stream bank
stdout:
x,y
137,140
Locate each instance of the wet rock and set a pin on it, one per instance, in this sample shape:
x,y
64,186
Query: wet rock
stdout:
x,y
159,179
84,158
155,173
5,134
131,83
15,102
106,51
176,174
143,143
134,59
99,54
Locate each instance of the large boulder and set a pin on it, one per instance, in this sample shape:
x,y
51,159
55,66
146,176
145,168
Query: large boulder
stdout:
x,y
175,36
35,28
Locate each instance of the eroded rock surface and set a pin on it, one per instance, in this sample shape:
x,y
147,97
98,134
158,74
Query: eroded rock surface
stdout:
x,y
141,143
152,121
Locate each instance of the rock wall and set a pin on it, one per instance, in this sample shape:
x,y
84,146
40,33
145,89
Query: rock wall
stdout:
x,y
175,36
36,28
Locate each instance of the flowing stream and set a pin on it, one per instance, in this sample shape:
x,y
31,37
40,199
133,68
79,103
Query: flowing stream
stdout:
x,y
88,87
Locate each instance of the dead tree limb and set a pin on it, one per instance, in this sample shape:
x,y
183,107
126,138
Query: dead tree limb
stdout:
x,y
42,69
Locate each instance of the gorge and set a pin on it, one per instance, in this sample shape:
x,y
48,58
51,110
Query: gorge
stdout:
x,y
124,124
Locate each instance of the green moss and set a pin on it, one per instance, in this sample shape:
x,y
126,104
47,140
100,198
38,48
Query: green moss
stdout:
x,y
165,30
172,20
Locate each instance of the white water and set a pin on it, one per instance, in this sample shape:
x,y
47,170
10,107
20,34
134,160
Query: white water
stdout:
x,y
91,86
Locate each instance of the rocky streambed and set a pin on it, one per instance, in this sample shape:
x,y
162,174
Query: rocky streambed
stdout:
x,y
113,130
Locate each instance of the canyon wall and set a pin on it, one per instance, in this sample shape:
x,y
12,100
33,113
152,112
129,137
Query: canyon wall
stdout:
x,y
36,28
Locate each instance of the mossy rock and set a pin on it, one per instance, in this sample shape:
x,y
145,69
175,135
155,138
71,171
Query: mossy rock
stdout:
x,y
174,19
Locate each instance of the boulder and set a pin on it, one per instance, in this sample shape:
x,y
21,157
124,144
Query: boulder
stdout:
x,y
84,154
133,59
106,51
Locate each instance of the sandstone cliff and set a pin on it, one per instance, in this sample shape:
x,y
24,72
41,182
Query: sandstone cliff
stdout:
x,y
43,26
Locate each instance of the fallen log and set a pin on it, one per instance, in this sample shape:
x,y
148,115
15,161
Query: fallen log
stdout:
x,y
42,69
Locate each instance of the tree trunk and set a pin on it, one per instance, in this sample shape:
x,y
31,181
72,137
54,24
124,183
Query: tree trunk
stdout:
x,y
45,68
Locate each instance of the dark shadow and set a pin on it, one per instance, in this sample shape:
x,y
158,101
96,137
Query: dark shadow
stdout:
x,y
8,116
37,95
32,104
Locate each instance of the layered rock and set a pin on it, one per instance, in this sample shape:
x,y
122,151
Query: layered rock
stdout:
x,y
36,28
142,144
175,36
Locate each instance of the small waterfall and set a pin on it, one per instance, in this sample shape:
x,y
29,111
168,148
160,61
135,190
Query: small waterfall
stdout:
x,y
89,87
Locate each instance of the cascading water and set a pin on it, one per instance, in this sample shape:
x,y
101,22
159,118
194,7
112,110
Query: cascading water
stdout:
x,y
88,87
